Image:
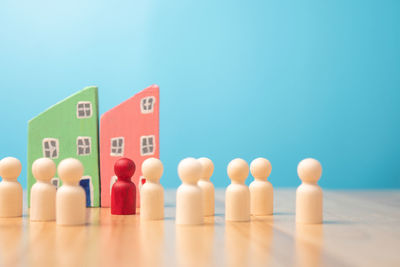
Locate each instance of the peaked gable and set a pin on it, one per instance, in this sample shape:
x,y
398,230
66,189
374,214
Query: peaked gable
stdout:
x,y
130,129
68,129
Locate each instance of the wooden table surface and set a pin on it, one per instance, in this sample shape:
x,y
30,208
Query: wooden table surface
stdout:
x,y
361,228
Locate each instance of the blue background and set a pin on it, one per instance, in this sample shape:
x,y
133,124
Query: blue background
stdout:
x,y
279,79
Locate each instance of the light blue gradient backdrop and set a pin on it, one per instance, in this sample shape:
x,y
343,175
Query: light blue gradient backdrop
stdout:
x,y
280,79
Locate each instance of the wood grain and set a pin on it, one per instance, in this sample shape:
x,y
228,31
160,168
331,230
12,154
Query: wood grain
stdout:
x,y
361,228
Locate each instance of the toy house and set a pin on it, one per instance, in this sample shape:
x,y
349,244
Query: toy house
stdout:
x,y
69,129
130,130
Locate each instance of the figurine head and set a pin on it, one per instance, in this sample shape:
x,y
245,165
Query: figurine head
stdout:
x,y
124,169
260,168
152,169
189,170
44,169
207,168
309,170
70,171
10,168
238,170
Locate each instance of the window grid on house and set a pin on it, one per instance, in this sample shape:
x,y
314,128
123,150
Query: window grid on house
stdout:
x,y
50,148
117,146
147,104
84,109
83,145
147,145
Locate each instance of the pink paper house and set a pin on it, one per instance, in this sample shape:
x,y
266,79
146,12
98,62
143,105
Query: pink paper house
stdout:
x,y
130,130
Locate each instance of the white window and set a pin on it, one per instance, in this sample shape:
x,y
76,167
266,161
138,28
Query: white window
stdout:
x,y
147,145
50,148
84,109
83,145
56,182
112,182
117,146
147,104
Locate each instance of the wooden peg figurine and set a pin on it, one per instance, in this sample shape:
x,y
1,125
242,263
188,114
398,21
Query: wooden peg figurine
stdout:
x,y
152,192
237,195
123,192
70,197
10,188
206,186
261,191
309,194
43,193
189,205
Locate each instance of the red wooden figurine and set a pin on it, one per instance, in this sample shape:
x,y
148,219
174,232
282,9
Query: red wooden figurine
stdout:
x,y
123,192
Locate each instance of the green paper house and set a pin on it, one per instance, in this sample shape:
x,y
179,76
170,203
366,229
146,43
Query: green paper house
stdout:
x,y
69,129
